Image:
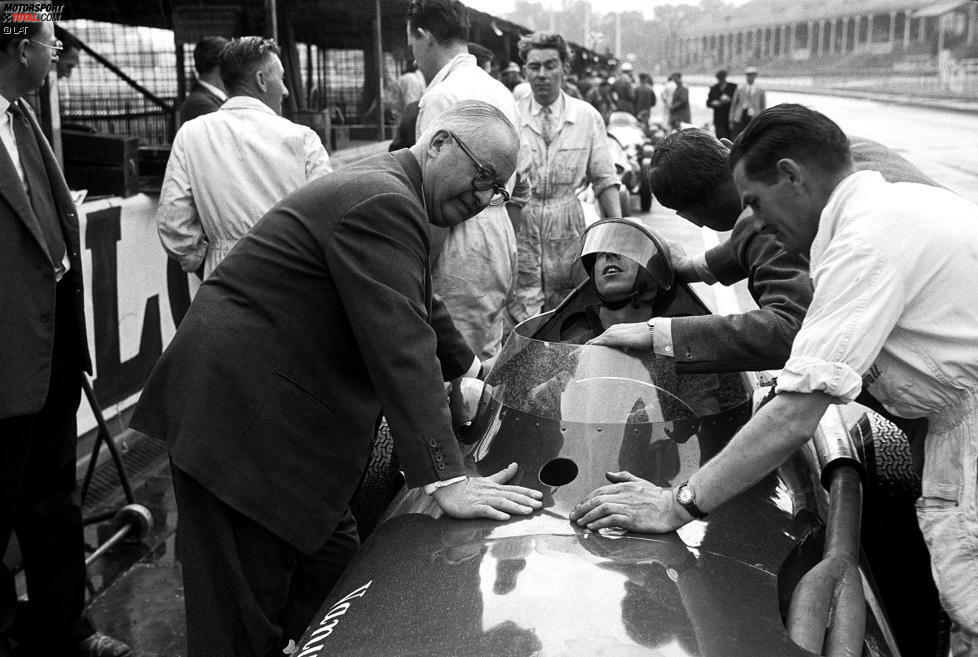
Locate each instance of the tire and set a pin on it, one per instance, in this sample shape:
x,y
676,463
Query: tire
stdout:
x,y
644,187
625,198
892,542
380,483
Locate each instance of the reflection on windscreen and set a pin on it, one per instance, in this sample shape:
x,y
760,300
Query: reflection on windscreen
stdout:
x,y
583,383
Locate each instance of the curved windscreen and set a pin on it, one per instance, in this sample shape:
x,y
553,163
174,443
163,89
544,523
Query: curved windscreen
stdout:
x,y
598,385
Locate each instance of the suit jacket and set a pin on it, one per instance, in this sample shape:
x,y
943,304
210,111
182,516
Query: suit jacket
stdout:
x,y
198,102
721,113
777,280
28,286
679,107
270,390
741,102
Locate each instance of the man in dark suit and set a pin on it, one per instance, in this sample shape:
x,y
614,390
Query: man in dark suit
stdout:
x,y
718,99
268,394
208,92
43,352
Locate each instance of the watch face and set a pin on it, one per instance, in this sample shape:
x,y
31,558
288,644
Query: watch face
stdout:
x,y
684,495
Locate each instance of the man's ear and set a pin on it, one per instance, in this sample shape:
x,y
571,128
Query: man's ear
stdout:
x,y
440,138
260,80
790,170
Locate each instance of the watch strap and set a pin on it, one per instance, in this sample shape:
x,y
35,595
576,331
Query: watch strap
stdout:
x,y
688,502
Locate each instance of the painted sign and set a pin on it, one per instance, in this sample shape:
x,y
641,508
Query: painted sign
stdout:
x,y
134,298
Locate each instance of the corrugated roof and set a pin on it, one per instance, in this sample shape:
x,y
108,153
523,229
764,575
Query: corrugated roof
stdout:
x,y
760,13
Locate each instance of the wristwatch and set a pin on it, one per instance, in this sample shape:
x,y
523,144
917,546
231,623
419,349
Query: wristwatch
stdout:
x,y
686,498
651,325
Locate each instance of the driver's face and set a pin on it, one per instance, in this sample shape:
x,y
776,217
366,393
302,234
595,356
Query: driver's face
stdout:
x,y
614,275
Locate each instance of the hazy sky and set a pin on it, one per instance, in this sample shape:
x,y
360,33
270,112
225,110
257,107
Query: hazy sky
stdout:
x,y
499,7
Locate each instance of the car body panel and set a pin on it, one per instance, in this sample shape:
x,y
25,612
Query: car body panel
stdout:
x,y
541,586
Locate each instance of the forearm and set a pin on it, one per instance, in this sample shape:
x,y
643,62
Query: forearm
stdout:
x,y
764,443
610,202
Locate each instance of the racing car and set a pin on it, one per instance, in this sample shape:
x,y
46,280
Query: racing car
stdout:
x,y
777,571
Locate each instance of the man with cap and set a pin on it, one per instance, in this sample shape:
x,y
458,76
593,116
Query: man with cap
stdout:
x,y
511,75
749,100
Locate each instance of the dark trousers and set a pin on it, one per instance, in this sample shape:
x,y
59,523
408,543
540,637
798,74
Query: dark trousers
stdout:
x,y
721,124
247,591
37,501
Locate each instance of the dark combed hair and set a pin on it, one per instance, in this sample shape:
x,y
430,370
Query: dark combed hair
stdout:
x,y
242,57
447,20
207,54
790,131
688,167
543,41
31,30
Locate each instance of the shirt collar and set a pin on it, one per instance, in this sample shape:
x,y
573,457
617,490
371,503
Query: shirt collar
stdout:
x,y
4,104
462,60
214,90
556,107
832,213
246,102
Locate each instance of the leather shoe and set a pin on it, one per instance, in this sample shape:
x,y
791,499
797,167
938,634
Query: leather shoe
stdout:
x,y
102,645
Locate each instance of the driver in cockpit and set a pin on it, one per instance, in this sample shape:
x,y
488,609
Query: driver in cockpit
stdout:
x,y
631,270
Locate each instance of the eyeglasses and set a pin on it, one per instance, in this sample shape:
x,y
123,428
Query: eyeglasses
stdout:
x,y
57,47
485,177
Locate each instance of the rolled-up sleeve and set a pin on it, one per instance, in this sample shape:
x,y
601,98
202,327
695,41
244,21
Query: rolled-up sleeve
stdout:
x,y
600,167
178,222
858,299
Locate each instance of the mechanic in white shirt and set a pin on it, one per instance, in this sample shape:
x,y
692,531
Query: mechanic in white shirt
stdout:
x,y
895,269
474,272
229,167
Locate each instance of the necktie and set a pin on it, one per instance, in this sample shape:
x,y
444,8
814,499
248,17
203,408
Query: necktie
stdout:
x,y
38,186
547,124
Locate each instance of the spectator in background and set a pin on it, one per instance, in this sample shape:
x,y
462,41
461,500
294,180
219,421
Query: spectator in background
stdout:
x,y
208,92
749,100
602,98
679,107
474,271
668,89
563,148
68,58
719,99
483,56
571,88
410,86
227,168
44,352
510,75
624,88
644,99
584,84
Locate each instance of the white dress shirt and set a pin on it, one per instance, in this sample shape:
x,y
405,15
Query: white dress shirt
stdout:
x,y
226,170
9,141
895,269
10,144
